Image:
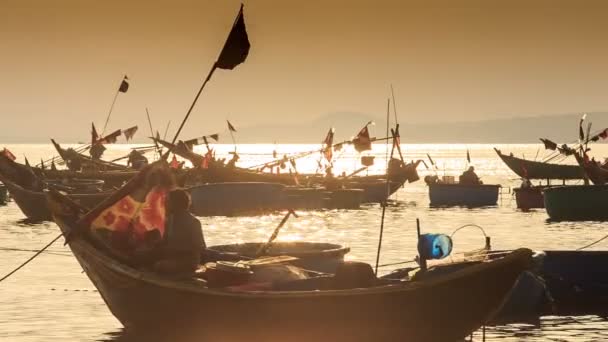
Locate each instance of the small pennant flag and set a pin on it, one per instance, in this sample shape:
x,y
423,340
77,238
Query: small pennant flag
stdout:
x,y
124,85
129,132
42,164
581,133
215,137
94,134
237,45
111,138
549,145
468,157
230,127
27,163
430,159
329,138
174,163
362,141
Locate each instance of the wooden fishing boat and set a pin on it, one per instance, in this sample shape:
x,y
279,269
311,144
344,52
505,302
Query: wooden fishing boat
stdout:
x,y
459,302
595,172
576,281
577,202
27,191
315,256
468,195
78,162
374,186
229,199
33,203
529,169
529,197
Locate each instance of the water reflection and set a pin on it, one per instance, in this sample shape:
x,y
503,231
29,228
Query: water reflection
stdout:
x,y
41,302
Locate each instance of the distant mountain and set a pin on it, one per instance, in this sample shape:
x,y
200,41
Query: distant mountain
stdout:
x,y
560,128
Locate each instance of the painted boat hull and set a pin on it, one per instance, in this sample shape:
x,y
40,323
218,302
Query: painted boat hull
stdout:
x,y
577,202
463,195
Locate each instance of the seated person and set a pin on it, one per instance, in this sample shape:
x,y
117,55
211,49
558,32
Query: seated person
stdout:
x,y
137,160
232,162
469,177
184,241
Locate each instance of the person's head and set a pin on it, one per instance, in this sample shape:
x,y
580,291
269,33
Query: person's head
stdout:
x,y
471,169
178,200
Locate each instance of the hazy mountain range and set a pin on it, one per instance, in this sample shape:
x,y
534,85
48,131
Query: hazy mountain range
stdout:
x,y
560,128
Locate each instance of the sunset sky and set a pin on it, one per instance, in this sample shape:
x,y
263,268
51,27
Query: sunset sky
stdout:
x,y
61,61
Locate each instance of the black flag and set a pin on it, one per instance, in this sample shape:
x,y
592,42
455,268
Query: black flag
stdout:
x,y
230,127
468,157
549,145
124,86
581,133
237,45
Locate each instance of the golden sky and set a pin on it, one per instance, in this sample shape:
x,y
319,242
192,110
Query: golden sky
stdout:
x,y
62,60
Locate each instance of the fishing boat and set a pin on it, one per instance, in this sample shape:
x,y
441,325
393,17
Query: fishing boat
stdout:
x,y
530,197
466,195
577,202
27,190
530,169
76,161
229,199
374,187
373,310
595,172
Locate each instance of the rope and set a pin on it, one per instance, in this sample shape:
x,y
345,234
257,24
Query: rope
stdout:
x,y
593,243
469,225
8,249
30,259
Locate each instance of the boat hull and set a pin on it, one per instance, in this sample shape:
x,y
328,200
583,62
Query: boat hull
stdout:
x,y
463,195
529,198
230,199
33,204
529,169
577,202
408,313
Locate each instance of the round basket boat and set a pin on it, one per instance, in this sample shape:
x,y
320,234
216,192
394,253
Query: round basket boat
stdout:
x,y
314,256
79,185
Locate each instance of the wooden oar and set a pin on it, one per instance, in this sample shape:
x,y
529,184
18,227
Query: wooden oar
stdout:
x,y
262,250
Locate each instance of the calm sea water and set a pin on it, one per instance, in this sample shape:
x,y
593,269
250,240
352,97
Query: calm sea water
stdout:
x,y
51,299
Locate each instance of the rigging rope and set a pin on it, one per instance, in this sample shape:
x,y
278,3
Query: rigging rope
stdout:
x,y
30,259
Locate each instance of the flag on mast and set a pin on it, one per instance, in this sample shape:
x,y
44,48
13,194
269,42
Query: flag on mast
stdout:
x,y
124,85
129,132
237,45
230,127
